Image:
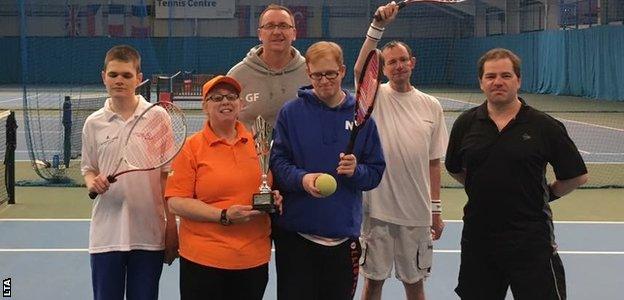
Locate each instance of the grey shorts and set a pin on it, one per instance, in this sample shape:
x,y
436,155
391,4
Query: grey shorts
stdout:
x,y
408,248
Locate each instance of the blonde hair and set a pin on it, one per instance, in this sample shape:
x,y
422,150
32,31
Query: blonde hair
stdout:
x,y
324,49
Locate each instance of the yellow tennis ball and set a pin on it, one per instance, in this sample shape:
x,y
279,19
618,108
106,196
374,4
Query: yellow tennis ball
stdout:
x,y
326,184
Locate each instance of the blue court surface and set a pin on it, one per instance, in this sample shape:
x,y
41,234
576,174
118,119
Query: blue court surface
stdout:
x,y
48,259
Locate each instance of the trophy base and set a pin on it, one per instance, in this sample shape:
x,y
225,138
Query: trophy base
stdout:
x,y
264,202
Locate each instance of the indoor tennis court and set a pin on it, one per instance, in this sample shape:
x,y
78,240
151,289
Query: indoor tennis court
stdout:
x,y
50,82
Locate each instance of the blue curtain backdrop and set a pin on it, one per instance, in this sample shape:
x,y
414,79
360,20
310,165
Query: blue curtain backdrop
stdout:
x,y
588,63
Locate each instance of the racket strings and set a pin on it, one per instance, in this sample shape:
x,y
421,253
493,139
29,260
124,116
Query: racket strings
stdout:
x,y
368,88
158,139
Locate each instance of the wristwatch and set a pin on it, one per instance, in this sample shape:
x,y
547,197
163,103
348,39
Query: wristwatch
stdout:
x,y
224,219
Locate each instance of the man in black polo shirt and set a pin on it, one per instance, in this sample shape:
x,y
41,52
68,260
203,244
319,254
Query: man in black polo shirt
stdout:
x,y
499,152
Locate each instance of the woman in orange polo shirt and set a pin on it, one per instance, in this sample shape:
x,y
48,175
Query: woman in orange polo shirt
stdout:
x,y
224,244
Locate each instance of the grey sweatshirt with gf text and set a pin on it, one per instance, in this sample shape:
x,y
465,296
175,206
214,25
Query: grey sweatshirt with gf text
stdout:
x,y
265,91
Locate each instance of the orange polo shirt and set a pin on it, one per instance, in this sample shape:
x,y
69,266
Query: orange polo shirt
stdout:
x,y
220,174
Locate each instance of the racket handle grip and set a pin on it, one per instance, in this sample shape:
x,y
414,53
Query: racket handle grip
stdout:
x,y
351,144
401,4
349,149
110,179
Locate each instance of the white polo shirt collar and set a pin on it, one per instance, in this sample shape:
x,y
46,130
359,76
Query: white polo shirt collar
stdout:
x,y
109,114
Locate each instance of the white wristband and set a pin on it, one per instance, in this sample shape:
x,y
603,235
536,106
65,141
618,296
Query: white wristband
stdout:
x,y
374,32
436,207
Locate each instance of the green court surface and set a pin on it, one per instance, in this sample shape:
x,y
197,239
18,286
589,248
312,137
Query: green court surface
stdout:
x,y
69,203
581,205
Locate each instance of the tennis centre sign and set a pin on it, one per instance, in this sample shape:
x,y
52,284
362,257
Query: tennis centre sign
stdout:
x,y
194,9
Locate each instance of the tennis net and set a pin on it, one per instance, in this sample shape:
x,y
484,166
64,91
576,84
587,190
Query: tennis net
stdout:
x,y
7,153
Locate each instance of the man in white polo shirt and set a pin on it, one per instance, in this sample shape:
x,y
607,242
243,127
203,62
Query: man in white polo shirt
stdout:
x,y
132,232
403,214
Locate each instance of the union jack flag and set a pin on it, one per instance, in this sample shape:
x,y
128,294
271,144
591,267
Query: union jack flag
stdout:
x,y
72,20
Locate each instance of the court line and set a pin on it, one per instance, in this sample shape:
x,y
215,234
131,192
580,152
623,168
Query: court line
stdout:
x,y
10,100
591,222
446,221
582,151
591,252
45,250
45,220
586,162
560,252
566,222
601,153
452,251
460,101
590,124
572,121
567,120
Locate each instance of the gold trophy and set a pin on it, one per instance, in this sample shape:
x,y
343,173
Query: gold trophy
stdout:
x,y
263,138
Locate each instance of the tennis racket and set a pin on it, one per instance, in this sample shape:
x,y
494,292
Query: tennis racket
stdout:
x,y
404,3
154,139
366,93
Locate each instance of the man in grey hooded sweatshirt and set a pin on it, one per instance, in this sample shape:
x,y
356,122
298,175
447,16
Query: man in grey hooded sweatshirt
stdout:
x,y
272,72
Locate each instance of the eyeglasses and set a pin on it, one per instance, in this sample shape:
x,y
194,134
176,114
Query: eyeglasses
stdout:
x,y
280,26
219,97
329,75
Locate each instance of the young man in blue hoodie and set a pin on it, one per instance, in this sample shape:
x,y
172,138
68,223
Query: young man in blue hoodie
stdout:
x,y
316,238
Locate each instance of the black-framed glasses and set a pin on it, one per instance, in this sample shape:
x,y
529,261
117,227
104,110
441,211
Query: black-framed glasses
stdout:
x,y
329,75
280,26
220,97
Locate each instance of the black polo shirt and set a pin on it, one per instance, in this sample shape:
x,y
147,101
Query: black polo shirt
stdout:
x,y
505,174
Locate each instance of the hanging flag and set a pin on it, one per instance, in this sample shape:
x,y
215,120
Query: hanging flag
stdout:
x,y
139,10
72,21
243,14
92,12
116,20
301,20
140,28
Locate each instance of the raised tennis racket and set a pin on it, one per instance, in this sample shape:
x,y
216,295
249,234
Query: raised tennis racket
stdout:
x,y
155,138
404,3
365,94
